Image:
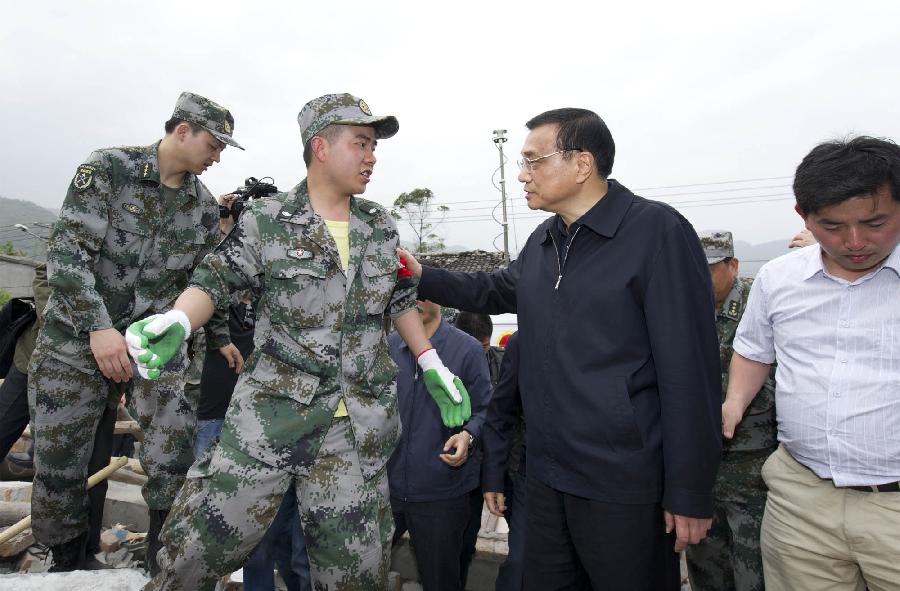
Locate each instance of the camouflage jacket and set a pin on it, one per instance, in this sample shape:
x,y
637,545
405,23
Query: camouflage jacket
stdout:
x,y
319,334
758,430
119,251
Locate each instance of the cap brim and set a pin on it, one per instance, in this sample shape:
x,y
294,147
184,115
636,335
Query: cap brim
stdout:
x,y
224,138
714,260
385,127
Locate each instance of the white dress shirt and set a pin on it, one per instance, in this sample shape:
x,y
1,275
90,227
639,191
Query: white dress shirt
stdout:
x,y
838,349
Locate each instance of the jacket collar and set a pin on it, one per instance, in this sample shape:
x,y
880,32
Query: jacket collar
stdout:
x,y
605,217
815,264
297,210
148,170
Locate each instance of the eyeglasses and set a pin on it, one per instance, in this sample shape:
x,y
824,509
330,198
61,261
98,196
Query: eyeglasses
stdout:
x,y
529,164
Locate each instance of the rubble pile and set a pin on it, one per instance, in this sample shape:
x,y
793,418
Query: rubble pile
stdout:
x,y
122,545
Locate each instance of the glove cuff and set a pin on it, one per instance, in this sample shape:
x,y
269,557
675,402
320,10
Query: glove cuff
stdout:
x,y
181,317
428,359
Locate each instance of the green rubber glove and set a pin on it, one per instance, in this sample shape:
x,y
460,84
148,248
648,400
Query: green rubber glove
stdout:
x,y
154,341
446,389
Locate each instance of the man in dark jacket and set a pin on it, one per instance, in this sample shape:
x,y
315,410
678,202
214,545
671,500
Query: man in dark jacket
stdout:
x,y
619,367
433,470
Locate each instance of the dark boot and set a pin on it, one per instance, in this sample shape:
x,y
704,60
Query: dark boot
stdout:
x,y
91,563
69,556
157,518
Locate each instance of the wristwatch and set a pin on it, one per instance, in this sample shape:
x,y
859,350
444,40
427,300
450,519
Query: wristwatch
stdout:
x,y
471,438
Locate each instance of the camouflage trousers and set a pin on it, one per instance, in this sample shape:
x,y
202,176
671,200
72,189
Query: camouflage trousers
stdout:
x,y
729,558
230,499
66,405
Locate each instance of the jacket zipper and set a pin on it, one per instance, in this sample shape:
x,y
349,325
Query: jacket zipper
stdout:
x,y
562,266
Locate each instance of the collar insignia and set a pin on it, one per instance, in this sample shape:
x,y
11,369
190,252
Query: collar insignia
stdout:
x,y
733,308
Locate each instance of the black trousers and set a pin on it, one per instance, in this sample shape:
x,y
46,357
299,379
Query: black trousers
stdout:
x,y
436,533
578,543
103,441
470,535
13,408
14,418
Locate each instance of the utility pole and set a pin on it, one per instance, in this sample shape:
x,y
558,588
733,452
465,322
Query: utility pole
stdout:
x,y
499,140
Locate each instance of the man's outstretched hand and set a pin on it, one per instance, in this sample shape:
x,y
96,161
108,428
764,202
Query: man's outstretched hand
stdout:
x,y
155,340
446,389
410,262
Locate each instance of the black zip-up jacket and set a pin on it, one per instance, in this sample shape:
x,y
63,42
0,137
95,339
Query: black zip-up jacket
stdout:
x,y
619,360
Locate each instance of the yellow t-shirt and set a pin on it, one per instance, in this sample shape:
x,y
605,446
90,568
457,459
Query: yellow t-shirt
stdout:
x,y
340,231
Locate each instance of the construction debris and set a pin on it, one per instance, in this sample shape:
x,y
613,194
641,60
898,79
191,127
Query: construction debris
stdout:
x,y
124,579
17,544
114,464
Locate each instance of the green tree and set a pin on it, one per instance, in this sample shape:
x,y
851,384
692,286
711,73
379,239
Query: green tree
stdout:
x,y
8,248
423,215
5,296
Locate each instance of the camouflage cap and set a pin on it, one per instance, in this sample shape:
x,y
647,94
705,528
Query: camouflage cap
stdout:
x,y
342,109
717,244
213,117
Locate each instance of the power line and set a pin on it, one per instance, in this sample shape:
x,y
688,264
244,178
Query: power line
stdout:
x,y
642,189
687,204
485,207
771,178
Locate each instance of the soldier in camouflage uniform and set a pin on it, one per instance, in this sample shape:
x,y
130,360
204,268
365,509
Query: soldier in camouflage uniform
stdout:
x,y
315,406
729,558
134,224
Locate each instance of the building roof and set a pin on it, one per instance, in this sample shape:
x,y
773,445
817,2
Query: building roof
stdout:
x,y
26,261
469,262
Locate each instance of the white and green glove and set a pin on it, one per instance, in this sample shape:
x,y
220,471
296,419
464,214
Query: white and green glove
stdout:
x,y
446,389
155,340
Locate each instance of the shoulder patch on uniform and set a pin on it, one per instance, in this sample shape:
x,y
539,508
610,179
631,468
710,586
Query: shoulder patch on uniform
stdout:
x,y
84,177
733,308
299,254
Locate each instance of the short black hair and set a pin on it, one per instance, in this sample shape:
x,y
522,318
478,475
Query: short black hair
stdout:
x,y
329,132
172,123
581,130
839,170
477,325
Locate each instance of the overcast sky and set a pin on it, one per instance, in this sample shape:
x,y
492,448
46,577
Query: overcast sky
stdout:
x,y
714,102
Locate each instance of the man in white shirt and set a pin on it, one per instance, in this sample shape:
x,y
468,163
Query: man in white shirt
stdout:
x,y
830,314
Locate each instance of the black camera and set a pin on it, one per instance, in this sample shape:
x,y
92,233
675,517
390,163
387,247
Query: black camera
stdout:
x,y
253,189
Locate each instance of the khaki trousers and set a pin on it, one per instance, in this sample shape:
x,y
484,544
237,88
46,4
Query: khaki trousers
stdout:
x,y
816,537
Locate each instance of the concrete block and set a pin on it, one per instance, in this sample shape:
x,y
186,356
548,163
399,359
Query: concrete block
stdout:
x,y
125,505
15,491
